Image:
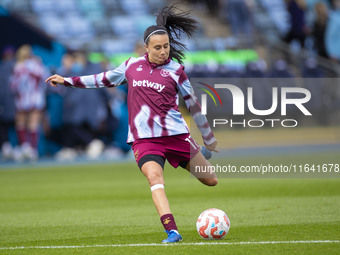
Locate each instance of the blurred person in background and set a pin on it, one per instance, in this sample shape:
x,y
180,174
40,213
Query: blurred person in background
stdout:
x,y
319,28
53,122
29,101
332,39
298,29
85,123
117,147
280,69
139,49
119,109
7,107
239,15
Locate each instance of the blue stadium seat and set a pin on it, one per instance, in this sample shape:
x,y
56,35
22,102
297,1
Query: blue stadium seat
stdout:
x,y
91,5
133,7
113,7
65,6
142,22
112,46
43,6
123,26
17,6
53,25
78,27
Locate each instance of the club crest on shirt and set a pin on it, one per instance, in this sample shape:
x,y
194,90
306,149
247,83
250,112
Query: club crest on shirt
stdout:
x,y
139,68
164,73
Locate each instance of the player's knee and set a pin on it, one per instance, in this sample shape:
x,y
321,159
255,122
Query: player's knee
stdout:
x,y
154,178
214,182
211,182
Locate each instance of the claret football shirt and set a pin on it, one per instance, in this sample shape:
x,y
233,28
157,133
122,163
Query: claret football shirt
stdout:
x,y
152,97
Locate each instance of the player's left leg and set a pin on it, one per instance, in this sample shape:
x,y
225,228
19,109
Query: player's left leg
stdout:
x,y
184,151
20,126
195,166
33,123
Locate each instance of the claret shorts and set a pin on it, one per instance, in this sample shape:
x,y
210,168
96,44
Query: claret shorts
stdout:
x,y
177,149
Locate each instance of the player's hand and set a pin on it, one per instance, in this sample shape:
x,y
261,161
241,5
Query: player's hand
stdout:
x,y
212,147
55,79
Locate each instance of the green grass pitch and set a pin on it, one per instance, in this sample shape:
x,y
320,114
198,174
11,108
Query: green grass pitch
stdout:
x,y
100,208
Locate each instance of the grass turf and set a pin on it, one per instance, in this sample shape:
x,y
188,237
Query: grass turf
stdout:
x,y
111,204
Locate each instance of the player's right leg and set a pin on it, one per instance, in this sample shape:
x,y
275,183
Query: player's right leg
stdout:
x,y
154,174
153,171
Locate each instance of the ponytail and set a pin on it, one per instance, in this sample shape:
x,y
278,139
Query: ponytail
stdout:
x,y
173,24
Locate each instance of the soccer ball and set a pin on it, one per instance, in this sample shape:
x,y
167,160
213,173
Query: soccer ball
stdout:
x,y
213,224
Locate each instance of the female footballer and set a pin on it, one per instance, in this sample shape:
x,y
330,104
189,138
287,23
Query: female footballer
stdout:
x,y
157,130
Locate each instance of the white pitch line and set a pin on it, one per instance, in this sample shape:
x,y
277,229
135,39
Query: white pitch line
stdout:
x,y
163,245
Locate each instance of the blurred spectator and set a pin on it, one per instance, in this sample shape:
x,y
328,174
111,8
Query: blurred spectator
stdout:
x,y
7,107
85,123
311,69
238,14
298,28
261,94
319,28
118,106
139,49
212,6
29,90
198,71
280,69
317,87
67,62
257,68
119,110
332,33
53,124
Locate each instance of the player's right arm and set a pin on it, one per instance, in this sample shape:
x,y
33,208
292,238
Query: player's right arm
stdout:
x,y
55,80
107,79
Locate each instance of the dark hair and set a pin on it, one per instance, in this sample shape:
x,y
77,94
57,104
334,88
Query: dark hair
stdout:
x,y
173,24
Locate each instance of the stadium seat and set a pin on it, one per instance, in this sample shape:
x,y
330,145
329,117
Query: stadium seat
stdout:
x,y
78,27
64,6
123,26
113,7
17,6
91,5
134,7
43,6
154,4
53,26
112,46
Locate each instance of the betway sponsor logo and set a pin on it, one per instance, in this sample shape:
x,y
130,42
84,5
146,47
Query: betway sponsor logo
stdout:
x,y
149,84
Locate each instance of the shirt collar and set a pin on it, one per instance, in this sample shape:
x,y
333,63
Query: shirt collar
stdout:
x,y
154,65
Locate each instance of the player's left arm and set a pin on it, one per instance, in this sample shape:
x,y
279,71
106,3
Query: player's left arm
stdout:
x,y
194,107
